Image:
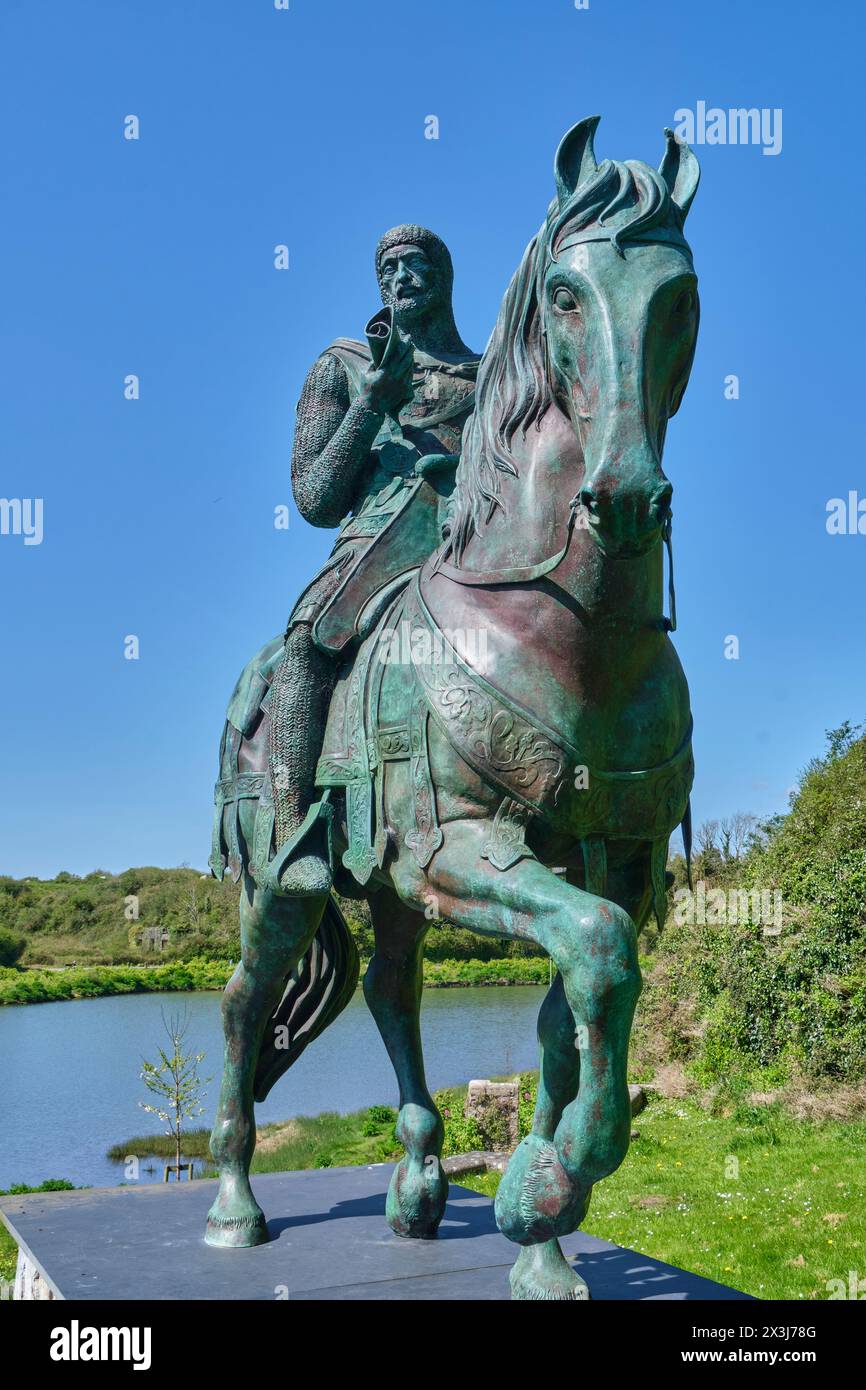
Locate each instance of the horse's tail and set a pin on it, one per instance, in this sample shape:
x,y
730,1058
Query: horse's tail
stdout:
x,y
318,989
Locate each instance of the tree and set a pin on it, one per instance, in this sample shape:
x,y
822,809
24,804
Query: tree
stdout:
x,y
706,836
175,1081
737,832
840,740
13,887
706,842
191,909
769,827
11,947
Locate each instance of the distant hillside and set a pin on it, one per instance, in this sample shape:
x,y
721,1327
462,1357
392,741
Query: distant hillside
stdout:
x,y
92,921
100,919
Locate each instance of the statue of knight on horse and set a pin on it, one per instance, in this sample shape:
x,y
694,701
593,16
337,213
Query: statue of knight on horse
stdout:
x,y
376,448
399,770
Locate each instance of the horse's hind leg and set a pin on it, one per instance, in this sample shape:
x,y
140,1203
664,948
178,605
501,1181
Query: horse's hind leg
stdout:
x,y
392,988
543,1266
275,932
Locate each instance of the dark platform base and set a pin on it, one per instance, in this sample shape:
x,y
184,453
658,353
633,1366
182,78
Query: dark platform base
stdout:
x,y
329,1241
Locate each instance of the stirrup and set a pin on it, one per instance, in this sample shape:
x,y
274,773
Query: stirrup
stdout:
x,y
270,874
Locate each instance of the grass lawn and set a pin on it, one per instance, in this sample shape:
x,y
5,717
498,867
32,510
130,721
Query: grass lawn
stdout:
x,y
310,1141
8,1257
753,1198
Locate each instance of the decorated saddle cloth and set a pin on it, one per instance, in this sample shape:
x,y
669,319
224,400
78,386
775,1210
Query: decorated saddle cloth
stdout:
x,y
405,522
247,708
407,673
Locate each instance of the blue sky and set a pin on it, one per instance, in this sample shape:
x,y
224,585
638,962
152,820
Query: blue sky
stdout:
x,y
306,127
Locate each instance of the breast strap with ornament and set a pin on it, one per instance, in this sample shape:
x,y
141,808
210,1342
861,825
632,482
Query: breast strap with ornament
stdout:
x,y
532,763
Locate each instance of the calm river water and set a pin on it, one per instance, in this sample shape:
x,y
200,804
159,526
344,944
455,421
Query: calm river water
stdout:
x,y
69,1072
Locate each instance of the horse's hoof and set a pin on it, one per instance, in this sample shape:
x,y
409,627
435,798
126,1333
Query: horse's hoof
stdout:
x,y
543,1272
537,1200
235,1222
416,1198
234,1234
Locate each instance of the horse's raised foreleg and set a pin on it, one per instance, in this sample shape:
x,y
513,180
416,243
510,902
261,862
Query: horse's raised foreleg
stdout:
x,y
392,988
593,943
275,932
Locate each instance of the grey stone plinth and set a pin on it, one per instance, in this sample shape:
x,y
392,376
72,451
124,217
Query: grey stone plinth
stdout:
x,y
29,1285
329,1241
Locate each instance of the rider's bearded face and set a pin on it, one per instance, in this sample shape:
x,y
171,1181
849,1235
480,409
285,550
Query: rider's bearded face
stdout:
x,y
410,283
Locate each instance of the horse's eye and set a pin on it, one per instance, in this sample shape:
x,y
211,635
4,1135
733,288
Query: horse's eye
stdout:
x,y
685,303
564,300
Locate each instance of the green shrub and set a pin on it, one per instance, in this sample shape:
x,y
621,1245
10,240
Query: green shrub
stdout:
x,y
49,1185
43,986
377,1118
381,1115
12,947
733,999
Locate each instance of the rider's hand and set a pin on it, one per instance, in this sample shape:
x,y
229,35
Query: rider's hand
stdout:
x,y
431,464
385,389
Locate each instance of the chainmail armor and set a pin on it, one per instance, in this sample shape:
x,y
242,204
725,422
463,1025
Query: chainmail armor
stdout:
x,y
300,695
333,436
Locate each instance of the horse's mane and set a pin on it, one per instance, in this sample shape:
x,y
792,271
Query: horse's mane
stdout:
x,y
514,390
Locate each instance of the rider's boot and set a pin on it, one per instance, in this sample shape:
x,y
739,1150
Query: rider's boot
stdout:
x,y
299,700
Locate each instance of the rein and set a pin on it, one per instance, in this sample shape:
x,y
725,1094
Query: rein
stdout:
x,y
526,574
518,574
670,624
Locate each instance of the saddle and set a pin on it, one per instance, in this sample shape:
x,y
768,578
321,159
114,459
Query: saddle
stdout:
x,y
401,526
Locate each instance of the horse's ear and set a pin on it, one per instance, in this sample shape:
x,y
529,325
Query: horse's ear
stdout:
x,y
575,159
681,172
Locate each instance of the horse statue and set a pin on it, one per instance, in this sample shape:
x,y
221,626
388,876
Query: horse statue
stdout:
x,y
530,794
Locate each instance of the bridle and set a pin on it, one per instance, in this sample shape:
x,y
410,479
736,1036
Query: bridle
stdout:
x,y
527,574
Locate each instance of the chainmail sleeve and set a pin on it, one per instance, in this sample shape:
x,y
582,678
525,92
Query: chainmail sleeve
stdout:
x,y
333,435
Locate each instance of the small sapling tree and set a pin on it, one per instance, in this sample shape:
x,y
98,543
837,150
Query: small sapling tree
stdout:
x,y
176,1084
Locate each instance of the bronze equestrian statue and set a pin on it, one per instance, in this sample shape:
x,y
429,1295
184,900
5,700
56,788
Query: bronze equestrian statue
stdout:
x,y
444,789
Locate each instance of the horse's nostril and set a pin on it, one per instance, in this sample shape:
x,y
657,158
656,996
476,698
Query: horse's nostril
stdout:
x,y
588,499
661,501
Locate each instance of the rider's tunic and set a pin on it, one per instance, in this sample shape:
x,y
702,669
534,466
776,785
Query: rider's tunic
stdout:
x,y
430,423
